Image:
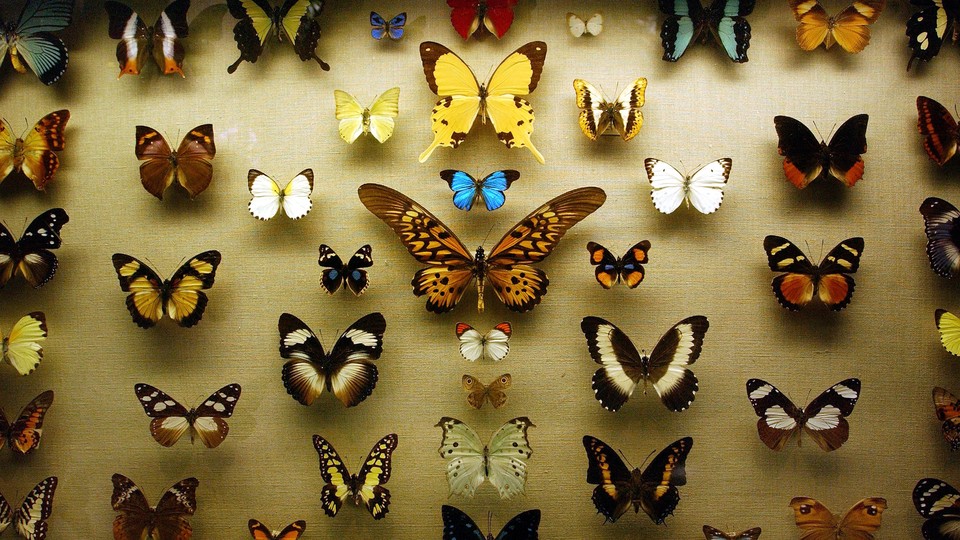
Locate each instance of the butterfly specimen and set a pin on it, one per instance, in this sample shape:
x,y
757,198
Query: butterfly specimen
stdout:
x,y
30,43
654,489
597,113
380,27
352,275
948,325
24,433
30,520
818,523
579,27
166,521
936,22
939,129
458,526
268,198
171,420
496,16
716,534
824,419
939,503
189,164
849,28
947,407
612,269
703,188
138,41
22,349
366,486
494,345
495,392
30,256
377,119
688,21
623,368
259,531
469,462
508,267
294,21
463,98
34,155
467,189
805,159
347,371
941,222
181,296
830,281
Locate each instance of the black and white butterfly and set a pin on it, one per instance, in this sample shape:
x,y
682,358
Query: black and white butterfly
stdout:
x,y
347,371
623,368
29,41
457,525
824,419
352,275
936,22
939,503
171,420
30,520
30,256
942,225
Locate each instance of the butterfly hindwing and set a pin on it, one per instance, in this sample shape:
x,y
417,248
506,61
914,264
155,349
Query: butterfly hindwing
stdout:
x,y
806,159
941,135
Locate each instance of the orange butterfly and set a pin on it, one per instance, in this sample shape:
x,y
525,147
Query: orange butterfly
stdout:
x,y
259,531
819,523
508,267
849,28
948,411
189,165
33,155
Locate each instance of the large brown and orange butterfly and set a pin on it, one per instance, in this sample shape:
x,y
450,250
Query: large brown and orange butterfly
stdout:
x,y
31,255
947,407
711,533
364,487
805,159
189,164
830,280
941,134
259,531
171,420
508,267
181,297
138,41
816,522
850,28
495,392
166,521
24,433
939,502
30,520
34,154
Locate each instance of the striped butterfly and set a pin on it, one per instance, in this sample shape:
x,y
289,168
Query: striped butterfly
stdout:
x,y
598,113
31,518
171,420
364,487
30,43
165,521
294,21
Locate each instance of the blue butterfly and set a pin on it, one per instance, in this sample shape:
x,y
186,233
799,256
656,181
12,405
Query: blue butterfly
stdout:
x,y
381,27
467,189
688,21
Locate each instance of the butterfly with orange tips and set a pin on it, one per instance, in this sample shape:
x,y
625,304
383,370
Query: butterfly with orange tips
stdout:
x,y
259,531
849,28
805,159
508,267
189,164
24,433
830,280
711,533
818,523
166,521
941,135
34,154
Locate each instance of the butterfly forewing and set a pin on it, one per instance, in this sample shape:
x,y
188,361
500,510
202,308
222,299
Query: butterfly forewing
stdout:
x,y
613,494
939,129
942,223
679,347
25,432
23,348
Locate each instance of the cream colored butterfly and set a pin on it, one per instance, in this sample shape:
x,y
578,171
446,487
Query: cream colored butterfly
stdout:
x,y
469,462
269,198
578,27
22,349
377,119
493,345
703,189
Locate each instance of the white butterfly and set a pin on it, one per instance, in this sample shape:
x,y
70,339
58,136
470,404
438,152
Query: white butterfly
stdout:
x,y
378,119
268,197
578,27
503,461
474,345
703,189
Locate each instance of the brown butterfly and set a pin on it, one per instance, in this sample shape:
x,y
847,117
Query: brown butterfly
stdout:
x,y
495,391
189,165
171,420
166,521
948,411
939,129
818,523
716,534
259,531
24,433
33,154
508,267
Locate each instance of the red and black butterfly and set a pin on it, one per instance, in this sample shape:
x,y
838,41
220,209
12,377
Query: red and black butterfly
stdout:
x,y
468,16
31,255
939,502
612,269
939,129
259,531
352,275
24,433
830,280
824,419
166,521
806,159
171,420
942,225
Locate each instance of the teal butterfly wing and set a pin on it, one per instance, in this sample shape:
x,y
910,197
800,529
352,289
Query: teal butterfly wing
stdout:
x,y
687,20
732,28
681,27
30,43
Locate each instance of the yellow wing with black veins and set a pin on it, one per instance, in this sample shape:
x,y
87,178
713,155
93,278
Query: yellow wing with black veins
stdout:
x,y
374,474
186,302
335,474
145,301
512,116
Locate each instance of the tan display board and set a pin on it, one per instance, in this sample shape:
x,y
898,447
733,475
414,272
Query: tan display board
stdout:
x,y
278,116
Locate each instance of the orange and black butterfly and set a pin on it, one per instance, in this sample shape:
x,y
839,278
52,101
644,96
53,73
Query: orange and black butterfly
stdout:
x,y
259,531
34,155
948,411
166,521
139,41
830,280
181,297
189,164
850,28
805,159
508,267
612,269
939,129
24,433
816,522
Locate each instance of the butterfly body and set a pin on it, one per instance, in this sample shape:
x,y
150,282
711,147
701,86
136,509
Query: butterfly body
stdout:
x,y
830,281
711,533
138,520
503,461
807,159
366,487
824,419
30,43
139,41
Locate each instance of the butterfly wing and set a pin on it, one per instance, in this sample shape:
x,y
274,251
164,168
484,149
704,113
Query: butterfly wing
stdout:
x,y
458,525
40,162
44,53
302,29
187,302
576,25
834,286
608,266
814,520
23,349
927,29
631,269
26,430
170,28
175,505
334,274
450,78
350,114
733,29
705,188
169,416
157,171
612,496
850,140
523,526
496,344
660,496
802,153
851,27
352,376
356,276
302,376
507,456
825,416
622,367
209,424
678,348
863,519
939,129
127,26
194,170
145,301
31,518
814,24
711,533
374,473
335,474
471,342
396,26
378,25
259,531
795,288
384,109
941,220
779,419
135,511
932,497
629,119
668,185
682,26
948,325
947,407
512,116
465,455
493,186
265,193
464,186
594,119
296,195
254,24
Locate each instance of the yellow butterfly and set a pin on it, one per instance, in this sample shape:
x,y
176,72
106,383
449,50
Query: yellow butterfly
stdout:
x,y
377,119
22,348
948,325
462,98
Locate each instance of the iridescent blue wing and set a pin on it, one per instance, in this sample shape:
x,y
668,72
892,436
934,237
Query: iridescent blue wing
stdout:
x,y
464,187
523,526
379,26
396,25
493,186
459,526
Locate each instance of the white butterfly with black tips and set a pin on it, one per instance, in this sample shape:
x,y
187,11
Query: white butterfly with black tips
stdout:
x,y
31,518
269,198
703,189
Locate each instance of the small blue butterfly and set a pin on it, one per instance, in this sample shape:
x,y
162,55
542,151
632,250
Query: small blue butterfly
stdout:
x,y
382,27
467,189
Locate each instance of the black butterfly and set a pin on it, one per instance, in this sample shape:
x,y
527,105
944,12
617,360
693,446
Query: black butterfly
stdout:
x,y
31,255
654,489
294,21
458,526
611,269
352,275
30,519
942,224
806,159
937,21
939,502
688,21
348,371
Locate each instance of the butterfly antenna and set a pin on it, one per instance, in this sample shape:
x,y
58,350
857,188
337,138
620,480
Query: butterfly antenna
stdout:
x,y
624,456
652,452
490,520
487,237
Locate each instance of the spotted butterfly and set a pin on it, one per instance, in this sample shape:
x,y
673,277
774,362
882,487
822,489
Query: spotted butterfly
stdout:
x,y
30,520
612,269
171,420
364,487
458,526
